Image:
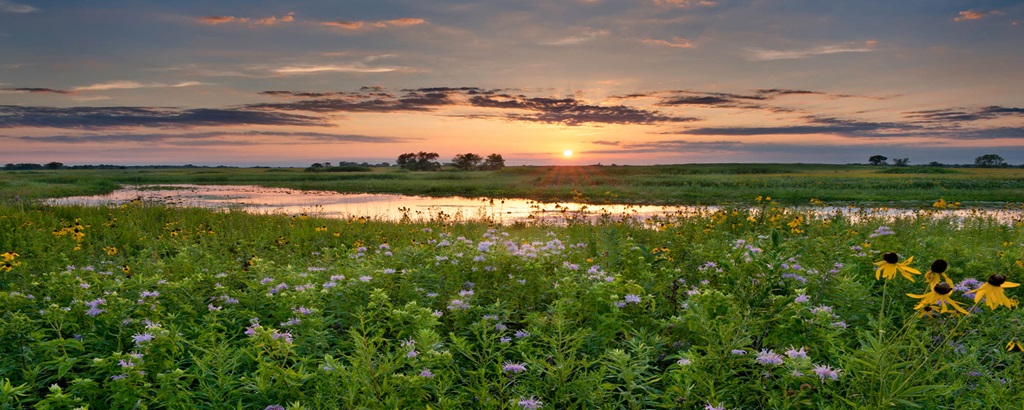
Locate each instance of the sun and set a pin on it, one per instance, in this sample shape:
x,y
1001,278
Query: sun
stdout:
x,y
567,153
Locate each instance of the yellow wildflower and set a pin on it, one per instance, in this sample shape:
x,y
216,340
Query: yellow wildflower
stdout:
x,y
992,292
939,295
890,265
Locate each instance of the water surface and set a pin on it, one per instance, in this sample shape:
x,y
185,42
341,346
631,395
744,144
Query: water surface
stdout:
x,y
393,207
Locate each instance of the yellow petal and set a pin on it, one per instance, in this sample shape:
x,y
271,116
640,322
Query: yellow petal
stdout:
x,y
1009,285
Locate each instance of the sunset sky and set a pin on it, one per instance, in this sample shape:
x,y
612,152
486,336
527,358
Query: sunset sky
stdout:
x,y
615,81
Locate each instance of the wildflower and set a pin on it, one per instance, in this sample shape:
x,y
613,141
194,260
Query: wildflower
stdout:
x,y
937,273
890,264
631,298
802,298
709,406
738,352
412,353
992,292
505,339
274,407
140,338
426,373
521,334
825,371
769,357
365,278
938,296
510,367
1014,345
684,361
793,353
530,403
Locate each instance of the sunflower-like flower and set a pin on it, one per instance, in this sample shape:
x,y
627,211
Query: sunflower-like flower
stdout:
x,y
992,292
890,264
1015,345
937,273
938,296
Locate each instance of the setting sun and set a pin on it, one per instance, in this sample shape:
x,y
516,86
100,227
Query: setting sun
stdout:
x,y
567,153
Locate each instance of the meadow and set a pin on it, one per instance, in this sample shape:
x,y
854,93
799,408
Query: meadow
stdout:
x,y
758,305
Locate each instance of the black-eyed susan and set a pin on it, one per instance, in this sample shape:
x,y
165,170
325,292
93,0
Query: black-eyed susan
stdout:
x,y
939,295
937,273
1014,345
890,265
992,292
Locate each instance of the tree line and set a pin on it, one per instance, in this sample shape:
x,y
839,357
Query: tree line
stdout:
x,y
427,161
984,161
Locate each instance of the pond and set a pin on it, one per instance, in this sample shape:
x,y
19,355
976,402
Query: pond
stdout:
x,y
391,207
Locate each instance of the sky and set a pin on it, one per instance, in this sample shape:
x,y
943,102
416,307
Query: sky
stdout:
x,y
290,83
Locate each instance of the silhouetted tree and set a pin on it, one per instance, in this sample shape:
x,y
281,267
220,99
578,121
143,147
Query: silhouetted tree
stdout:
x,y
493,162
901,162
421,161
877,159
989,161
467,162
53,165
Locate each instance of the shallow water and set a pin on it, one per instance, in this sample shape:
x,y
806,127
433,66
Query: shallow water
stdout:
x,y
390,207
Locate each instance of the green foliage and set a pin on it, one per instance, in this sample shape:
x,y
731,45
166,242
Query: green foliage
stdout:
x,y
146,306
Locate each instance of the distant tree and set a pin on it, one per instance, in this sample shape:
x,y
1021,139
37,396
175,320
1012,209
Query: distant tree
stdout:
x,y
467,162
22,167
877,159
53,165
316,165
421,161
493,162
327,164
989,161
936,164
901,162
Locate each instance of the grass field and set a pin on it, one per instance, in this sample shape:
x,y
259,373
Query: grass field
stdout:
x,y
670,184
754,306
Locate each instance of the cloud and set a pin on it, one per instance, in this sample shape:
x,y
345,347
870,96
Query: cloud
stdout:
x,y
685,3
356,25
214,20
565,111
128,85
571,112
968,15
33,90
587,36
665,146
332,68
947,115
213,138
101,117
676,42
761,54
12,7
267,21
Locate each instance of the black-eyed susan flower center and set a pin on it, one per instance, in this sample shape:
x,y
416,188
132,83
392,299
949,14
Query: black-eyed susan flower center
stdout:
x,y
939,266
996,280
943,288
890,258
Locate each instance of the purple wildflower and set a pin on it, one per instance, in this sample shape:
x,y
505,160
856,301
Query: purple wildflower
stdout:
x,y
631,298
530,403
794,353
426,373
140,338
768,357
510,367
824,371
521,334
